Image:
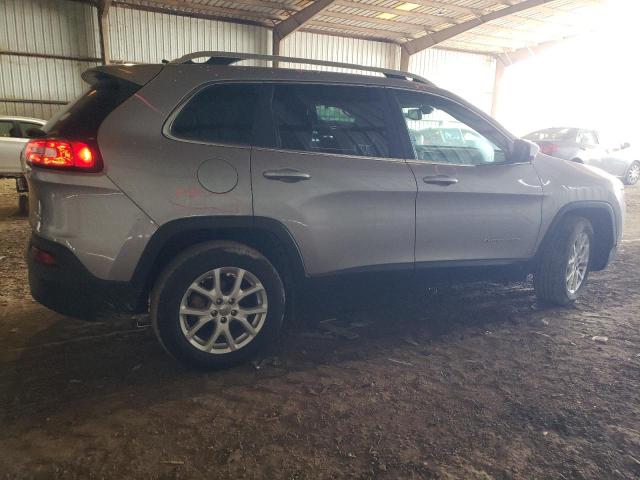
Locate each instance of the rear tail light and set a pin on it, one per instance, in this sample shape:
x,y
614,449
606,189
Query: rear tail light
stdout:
x,y
63,155
548,148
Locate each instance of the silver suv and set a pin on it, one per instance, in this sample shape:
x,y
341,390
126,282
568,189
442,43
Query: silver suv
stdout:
x,y
210,194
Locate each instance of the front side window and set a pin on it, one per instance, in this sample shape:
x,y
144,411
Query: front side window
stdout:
x,y
219,114
441,132
337,119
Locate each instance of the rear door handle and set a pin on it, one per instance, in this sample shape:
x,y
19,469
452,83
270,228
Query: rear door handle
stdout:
x,y
441,180
288,175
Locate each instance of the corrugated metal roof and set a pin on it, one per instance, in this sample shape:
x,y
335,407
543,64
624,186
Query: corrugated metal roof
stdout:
x,y
366,18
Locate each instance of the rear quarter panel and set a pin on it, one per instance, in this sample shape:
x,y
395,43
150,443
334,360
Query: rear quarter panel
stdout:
x,y
160,174
90,216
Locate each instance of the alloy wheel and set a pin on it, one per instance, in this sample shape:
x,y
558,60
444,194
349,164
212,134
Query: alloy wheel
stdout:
x,y
634,173
223,310
578,263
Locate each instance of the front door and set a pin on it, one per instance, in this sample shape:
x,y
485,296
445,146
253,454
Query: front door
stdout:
x,y
331,175
472,203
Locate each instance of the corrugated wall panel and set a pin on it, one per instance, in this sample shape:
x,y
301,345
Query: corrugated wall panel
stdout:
x,y
469,75
339,49
26,78
49,27
141,36
33,110
53,27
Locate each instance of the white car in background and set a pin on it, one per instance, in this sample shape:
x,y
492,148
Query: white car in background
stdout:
x,y
14,134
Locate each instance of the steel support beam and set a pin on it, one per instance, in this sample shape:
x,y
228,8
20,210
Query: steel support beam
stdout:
x,y
295,21
431,39
497,89
404,59
103,27
506,59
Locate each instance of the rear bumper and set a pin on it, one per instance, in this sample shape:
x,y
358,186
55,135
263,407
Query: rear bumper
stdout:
x,y
68,288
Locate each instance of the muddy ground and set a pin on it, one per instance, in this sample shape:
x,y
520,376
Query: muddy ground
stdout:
x,y
475,382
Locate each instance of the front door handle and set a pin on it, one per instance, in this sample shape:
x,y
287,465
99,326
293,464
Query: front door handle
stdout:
x,y
288,175
441,180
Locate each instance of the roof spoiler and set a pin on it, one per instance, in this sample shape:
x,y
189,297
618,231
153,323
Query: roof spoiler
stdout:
x,y
137,74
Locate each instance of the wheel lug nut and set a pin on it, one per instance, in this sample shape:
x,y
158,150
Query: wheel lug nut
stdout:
x,y
231,300
223,319
218,301
234,312
214,313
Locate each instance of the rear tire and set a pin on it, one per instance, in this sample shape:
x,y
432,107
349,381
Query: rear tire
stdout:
x,y
633,174
563,266
225,325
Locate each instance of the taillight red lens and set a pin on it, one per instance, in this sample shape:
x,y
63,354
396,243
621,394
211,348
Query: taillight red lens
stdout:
x,y
63,154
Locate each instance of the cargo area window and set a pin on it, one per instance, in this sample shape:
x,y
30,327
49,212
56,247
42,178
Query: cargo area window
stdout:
x,y
82,118
337,119
219,114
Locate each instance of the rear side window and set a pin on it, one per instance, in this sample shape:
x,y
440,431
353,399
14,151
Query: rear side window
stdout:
x,y
7,129
28,127
219,114
336,119
83,117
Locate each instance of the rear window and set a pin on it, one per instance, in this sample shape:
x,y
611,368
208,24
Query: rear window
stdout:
x,y
219,114
82,118
553,134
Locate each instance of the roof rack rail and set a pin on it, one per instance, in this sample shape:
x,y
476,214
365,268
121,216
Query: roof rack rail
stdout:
x,y
228,58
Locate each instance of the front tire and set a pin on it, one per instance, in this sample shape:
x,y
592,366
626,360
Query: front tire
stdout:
x,y
564,263
217,304
633,174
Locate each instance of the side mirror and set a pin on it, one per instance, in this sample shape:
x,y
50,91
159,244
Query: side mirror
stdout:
x,y
524,151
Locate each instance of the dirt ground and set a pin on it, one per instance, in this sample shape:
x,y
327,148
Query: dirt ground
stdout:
x,y
476,382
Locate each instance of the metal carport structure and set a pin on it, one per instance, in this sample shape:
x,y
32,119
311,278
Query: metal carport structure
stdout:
x,y
450,41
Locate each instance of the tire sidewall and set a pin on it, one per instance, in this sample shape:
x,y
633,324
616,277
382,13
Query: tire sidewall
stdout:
x,y
167,297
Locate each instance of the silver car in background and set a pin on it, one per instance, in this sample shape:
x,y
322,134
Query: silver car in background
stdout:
x,y
14,134
584,146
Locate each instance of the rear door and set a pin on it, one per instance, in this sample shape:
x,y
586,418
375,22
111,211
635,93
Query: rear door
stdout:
x,y
330,172
11,143
472,204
